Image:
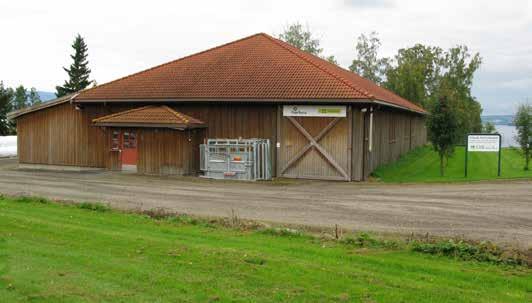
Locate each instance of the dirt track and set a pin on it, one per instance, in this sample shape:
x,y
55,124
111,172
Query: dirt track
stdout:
x,y
499,211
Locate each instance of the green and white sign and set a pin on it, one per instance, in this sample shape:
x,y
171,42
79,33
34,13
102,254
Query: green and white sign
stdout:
x,y
483,143
314,111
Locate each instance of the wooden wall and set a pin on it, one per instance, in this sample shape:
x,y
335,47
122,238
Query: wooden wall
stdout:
x,y
394,134
168,152
62,135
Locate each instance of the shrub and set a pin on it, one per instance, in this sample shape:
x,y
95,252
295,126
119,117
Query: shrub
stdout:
x,y
157,213
363,239
30,199
183,219
94,206
482,252
282,231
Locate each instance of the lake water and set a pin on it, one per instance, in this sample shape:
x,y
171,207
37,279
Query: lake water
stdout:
x,y
508,133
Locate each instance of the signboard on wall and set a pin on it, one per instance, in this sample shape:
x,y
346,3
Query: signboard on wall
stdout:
x,y
314,111
483,143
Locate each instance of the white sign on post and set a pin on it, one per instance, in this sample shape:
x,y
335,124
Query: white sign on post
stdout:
x,y
483,143
314,111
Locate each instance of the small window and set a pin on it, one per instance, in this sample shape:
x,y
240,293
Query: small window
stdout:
x,y
126,140
132,140
115,140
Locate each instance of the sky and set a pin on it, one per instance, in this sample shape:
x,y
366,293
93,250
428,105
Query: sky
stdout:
x,y
128,36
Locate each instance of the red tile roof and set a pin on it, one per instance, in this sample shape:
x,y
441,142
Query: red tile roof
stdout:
x,y
258,67
150,115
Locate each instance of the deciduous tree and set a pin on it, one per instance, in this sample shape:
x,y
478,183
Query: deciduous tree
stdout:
x,y
33,97
489,128
367,62
303,39
442,129
523,124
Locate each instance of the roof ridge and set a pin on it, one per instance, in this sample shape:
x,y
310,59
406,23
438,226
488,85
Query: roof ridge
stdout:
x,y
177,114
122,113
176,60
320,67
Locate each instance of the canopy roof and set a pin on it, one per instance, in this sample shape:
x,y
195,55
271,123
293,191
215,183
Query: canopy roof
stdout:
x,y
258,68
149,116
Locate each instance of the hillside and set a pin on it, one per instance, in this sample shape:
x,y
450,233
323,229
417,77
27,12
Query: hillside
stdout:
x,y
46,96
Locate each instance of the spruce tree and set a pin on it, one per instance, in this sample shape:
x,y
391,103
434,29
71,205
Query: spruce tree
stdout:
x,y
78,72
21,98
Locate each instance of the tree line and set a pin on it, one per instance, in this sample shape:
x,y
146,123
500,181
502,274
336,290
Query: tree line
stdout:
x,y
437,79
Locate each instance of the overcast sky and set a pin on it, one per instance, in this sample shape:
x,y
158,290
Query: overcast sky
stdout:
x,y
128,36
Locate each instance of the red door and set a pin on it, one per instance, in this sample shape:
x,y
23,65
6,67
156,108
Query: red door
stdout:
x,y
129,148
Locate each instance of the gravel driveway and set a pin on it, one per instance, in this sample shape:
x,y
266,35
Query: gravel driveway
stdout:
x,y
498,211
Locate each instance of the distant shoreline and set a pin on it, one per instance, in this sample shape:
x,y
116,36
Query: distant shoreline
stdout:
x,y
498,119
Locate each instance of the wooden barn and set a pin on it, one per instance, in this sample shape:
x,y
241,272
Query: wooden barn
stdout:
x,y
324,122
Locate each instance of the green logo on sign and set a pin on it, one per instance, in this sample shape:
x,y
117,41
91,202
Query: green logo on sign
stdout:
x,y
329,110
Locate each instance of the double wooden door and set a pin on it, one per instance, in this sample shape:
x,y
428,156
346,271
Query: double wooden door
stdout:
x,y
315,148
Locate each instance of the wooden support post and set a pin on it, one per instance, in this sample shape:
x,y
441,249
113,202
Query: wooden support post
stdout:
x,y
277,142
349,141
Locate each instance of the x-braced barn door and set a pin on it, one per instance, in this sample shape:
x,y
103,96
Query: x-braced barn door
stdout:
x,y
315,147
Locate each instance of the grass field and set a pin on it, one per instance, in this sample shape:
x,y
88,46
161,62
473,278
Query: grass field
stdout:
x,y
422,165
61,253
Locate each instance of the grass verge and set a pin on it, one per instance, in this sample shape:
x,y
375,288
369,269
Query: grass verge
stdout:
x,y
422,165
52,252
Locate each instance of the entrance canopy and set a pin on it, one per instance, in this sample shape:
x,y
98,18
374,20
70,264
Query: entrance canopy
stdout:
x,y
160,116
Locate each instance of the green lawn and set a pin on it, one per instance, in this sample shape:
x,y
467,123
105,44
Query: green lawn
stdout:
x,y
423,165
54,252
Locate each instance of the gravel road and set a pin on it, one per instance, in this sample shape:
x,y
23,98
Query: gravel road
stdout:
x,y
498,211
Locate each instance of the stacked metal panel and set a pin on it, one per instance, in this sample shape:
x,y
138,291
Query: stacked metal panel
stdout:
x,y
236,159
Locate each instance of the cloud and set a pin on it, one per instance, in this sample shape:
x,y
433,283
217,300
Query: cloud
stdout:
x,y
126,39
369,3
518,83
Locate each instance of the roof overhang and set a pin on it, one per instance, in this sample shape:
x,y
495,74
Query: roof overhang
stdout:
x,y
250,100
151,125
58,101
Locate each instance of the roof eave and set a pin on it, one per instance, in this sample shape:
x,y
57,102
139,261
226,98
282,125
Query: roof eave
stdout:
x,y
58,101
149,125
257,100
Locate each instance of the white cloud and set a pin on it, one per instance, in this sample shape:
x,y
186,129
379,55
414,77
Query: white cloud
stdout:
x,y
125,37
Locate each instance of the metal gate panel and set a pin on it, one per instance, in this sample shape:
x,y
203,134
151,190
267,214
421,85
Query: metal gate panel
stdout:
x,y
239,159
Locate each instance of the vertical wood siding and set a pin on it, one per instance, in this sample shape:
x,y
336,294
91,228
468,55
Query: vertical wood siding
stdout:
x,y
167,151
394,134
61,135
